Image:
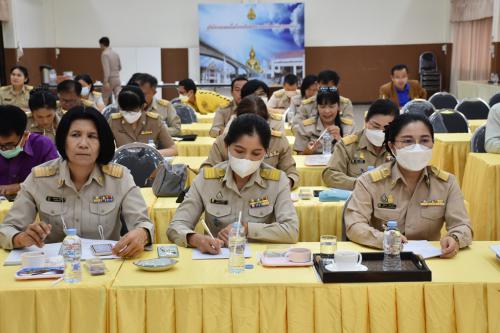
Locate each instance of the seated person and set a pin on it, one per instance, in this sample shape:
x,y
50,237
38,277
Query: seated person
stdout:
x,y
132,124
68,92
223,114
43,118
148,84
308,88
327,118
18,92
308,109
359,152
79,190
88,93
203,101
281,99
279,154
242,184
20,150
419,197
492,136
401,90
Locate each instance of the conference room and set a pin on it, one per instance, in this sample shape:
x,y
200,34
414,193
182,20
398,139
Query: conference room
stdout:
x,y
250,166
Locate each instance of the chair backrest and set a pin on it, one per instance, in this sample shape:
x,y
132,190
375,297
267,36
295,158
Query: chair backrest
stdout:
x,y
140,159
344,232
494,99
449,121
186,113
108,110
420,106
427,62
473,108
477,140
443,100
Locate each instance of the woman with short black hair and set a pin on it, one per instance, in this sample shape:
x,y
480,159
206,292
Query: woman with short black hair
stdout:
x,y
18,92
81,190
43,118
88,92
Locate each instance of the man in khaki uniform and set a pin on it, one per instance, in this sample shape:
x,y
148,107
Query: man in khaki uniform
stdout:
x,y
264,203
279,156
49,192
381,195
203,101
49,129
8,96
281,99
150,127
111,67
167,113
68,92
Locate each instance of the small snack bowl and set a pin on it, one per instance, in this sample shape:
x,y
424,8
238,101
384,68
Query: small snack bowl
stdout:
x,y
156,264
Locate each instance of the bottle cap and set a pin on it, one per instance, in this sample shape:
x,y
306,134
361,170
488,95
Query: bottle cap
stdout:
x,y
392,224
71,232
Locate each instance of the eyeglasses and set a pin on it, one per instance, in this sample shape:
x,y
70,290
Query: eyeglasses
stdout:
x,y
10,146
409,142
328,89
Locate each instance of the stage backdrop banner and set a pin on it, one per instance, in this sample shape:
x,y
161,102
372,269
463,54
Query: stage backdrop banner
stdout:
x,y
264,41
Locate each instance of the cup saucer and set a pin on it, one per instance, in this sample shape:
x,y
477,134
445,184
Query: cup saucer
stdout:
x,y
357,268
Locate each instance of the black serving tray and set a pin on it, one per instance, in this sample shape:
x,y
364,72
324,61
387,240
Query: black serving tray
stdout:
x,y
413,268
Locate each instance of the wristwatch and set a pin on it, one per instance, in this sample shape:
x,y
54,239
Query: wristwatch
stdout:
x,y
455,237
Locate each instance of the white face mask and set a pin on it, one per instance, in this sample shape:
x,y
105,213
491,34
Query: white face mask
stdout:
x,y
85,91
183,98
414,158
376,137
290,93
131,116
243,167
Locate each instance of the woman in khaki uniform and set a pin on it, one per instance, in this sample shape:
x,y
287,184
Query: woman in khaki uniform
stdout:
x,y
134,125
18,92
79,190
242,184
88,93
419,197
279,154
43,118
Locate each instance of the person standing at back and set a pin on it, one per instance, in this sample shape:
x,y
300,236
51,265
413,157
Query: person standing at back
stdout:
x,y
111,67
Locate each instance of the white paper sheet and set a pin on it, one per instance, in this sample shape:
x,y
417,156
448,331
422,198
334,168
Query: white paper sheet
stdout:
x,y
496,249
224,254
423,248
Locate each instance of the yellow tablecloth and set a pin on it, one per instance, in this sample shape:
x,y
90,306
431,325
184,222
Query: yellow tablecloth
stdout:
x,y
205,118
481,188
201,296
474,124
200,129
315,218
450,152
4,209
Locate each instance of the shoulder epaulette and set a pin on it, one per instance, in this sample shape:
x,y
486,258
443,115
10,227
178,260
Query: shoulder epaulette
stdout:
x,y
153,115
213,173
270,174
5,88
443,175
114,170
276,116
163,102
344,100
29,88
309,121
309,100
346,121
379,174
347,140
116,115
87,103
44,171
29,114
279,93
276,133
98,94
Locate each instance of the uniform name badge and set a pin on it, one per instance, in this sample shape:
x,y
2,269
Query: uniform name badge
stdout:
x,y
387,201
427,203
55,199
359,159
102,198
146,132
259,202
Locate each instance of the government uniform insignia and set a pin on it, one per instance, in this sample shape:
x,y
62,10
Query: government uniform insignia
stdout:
x,y
113,170
102,198
359,158
386,201
259,202
309,121
346,121
55,199
270,174
437,202
146,132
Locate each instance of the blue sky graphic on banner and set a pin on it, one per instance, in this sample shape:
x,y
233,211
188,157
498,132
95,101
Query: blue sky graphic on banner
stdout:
x,y
263,41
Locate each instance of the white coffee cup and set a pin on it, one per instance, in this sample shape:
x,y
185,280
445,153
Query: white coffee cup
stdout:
x,y
299,255
345,259
33,259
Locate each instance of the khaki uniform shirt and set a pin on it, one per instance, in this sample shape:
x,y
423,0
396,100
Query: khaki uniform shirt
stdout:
x,y
110,193
96,98
381,195
307,131
85,102
280,100
308,109
221,119
9,97
111,64
150,127
295,104
279,155
209,101
167,113
351,157
33,127
264,202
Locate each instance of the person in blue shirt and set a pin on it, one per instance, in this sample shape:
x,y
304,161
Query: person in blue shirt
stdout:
x,y
401,90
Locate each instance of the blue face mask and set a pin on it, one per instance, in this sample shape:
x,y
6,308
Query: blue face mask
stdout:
x,y
8,154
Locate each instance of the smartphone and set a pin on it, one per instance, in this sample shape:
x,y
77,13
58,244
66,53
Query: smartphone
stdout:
x,y
101,249
168,251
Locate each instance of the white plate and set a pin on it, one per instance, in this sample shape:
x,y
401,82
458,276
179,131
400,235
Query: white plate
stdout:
x,y
357,268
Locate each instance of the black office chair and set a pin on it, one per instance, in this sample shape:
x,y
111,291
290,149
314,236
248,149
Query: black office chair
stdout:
x,y
443,100
494,99
186,113
449,121
473,108
419,106
477,140
140,159
344,232
109,109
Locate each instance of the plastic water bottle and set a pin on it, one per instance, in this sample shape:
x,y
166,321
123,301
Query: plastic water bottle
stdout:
x,y
72,252
237,243
151,143
392,247
327,144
